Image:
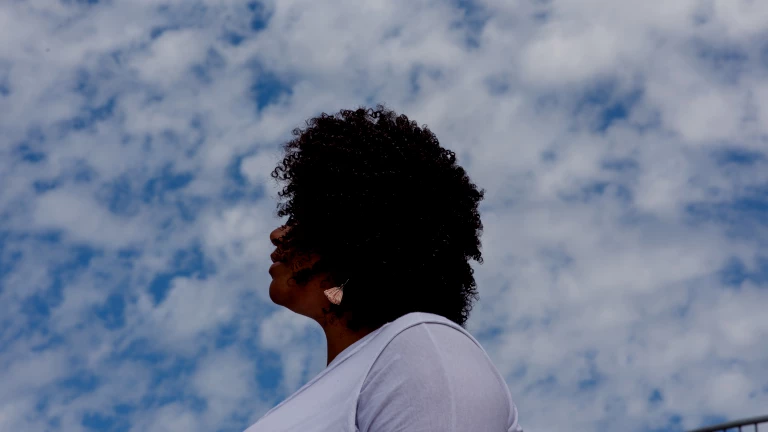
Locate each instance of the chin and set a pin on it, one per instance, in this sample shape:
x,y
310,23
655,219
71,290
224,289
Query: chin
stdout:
x,y
274,293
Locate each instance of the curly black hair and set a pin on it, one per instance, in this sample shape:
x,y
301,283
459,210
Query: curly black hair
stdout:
x,y
385,207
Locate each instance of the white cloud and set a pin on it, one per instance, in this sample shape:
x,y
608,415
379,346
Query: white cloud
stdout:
x,y
286,333
257,168
83,219
568,57
170,56
741,18
241,234
226,381
192,306
172,417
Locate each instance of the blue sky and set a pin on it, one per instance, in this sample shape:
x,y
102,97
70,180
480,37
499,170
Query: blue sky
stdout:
x,y
623,149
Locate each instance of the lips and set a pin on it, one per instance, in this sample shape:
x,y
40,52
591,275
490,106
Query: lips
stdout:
x,y
273,266
276,256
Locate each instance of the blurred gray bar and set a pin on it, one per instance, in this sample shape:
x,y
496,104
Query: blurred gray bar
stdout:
x,y
738,424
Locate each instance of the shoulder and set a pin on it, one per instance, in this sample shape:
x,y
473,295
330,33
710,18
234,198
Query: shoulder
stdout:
x,y
424,352
432,372
438,353
430,339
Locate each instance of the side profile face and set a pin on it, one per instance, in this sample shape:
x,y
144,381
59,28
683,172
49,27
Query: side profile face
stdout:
x,y
307,299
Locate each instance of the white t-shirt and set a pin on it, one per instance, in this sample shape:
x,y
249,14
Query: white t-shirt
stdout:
x,y
419,373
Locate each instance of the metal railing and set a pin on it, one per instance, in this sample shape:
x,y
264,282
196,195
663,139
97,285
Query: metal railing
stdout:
x,y
744,425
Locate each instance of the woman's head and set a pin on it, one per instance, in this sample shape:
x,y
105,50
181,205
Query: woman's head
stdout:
x,y
372,198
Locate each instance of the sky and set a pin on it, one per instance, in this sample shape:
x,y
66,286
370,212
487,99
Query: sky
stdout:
x,y
623,147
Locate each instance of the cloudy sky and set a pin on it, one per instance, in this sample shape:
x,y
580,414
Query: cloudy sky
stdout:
x,y
622,146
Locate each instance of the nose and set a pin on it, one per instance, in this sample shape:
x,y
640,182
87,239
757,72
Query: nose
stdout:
x,y
277,233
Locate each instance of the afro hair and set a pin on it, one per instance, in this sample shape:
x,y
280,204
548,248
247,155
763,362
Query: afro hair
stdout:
x,y
387,209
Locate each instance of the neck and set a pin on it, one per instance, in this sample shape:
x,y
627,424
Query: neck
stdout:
x,y
339,338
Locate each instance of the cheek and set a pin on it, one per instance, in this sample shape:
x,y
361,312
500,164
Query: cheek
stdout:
x,y
298,263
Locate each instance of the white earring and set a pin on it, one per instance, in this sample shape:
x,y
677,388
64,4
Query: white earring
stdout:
x,y
334,294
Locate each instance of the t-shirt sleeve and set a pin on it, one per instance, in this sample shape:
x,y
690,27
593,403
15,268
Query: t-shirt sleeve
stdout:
x,y
433,378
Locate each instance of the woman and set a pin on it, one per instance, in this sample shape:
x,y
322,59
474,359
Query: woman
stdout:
x,y
381,225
